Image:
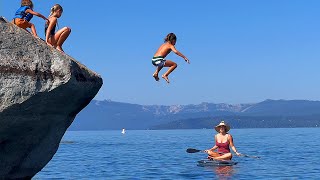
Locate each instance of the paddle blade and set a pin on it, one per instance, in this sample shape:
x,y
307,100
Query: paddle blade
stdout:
x,y
191,150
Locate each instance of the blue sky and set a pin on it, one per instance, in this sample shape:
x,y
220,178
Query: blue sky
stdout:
x,y
240,51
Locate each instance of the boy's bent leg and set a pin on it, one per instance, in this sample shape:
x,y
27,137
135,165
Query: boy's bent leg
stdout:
x,y
155,74
156,77
172,66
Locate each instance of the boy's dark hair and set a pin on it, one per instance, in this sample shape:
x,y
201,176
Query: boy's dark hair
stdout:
x,y
170,37
27,3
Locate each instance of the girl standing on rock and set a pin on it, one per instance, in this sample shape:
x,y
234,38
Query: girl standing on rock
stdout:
x,y
53,38
24,14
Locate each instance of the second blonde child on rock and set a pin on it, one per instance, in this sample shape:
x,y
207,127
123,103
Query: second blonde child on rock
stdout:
x,y
53,38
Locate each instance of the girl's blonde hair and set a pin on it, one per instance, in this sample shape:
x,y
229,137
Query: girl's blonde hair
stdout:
x,y
27,3
170,38
55,8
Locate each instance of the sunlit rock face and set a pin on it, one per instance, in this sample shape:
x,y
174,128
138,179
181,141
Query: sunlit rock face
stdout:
x,y
41,92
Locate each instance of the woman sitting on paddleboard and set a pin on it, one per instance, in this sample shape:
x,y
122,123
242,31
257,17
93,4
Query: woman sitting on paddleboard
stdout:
x,y
223,141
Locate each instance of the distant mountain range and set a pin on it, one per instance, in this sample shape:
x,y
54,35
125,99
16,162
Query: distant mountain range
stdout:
x,y
107,115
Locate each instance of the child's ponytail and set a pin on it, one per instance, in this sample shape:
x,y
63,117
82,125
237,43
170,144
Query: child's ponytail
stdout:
x,y
51,11
55,8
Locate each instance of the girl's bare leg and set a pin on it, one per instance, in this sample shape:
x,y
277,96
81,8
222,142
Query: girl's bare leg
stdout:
x,y
172,65
61,36
155,74
51,43
33,30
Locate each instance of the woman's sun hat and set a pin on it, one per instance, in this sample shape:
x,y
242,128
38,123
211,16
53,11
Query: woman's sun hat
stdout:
x,y
222,123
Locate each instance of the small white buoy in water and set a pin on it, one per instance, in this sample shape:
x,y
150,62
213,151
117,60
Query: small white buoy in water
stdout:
x,y
123,131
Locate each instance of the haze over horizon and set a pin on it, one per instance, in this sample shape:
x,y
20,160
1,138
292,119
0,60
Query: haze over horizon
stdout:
x,y
240,51
110,100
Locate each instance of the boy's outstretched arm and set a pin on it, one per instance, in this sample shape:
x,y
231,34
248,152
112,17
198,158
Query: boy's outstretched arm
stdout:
x,y
179,54
36,14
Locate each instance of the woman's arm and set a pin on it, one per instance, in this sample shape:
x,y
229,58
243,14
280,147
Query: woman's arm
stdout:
x,y
36,14
213,148
232,145
179,53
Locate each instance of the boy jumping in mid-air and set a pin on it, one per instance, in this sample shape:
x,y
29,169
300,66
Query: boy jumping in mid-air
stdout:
x,y
159,61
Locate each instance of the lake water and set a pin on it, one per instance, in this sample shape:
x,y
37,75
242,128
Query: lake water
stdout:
x,y
148,154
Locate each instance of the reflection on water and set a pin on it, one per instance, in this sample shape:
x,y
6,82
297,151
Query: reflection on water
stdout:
x,y
222,172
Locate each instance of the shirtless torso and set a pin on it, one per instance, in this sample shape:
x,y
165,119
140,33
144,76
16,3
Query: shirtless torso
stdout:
x,y
159,60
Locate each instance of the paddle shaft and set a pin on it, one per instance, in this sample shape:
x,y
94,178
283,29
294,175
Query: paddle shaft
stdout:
x,y
191,150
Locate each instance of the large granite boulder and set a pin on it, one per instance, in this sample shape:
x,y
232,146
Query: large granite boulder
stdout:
x,y
41,92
